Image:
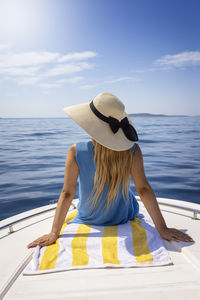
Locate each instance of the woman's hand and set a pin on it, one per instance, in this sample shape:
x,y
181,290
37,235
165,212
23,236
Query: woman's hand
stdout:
x,y
44,240
174,235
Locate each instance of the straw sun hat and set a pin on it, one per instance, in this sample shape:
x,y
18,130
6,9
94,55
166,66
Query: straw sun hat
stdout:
x,y
105,120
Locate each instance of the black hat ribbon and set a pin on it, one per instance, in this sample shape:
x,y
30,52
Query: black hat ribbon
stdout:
x,y
115,124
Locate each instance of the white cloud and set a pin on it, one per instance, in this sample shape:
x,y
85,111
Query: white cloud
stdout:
x,y
4,46
58,83
29,81
127,78
42,65
145,70
27,59
182,59
68,69
169,61
77,56
50,85
10,94
38,58
87,86
19,71
46,92
61,82
70,80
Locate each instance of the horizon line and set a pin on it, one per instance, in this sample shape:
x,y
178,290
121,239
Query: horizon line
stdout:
x,y
131,114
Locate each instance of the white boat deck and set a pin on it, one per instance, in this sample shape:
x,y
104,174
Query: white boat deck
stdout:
x,y
182,279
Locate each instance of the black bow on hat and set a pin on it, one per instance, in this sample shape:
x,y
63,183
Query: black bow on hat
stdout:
x,y
115,124
127,128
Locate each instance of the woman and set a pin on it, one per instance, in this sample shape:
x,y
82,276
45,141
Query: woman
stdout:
x,y
104,166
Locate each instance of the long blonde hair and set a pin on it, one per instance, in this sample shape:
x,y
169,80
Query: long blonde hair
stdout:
x,y
112,167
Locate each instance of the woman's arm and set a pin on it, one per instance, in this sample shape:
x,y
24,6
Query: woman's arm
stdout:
x,y
66,196
148,197
68,191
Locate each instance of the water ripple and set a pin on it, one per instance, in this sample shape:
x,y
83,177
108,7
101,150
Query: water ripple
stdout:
x,y
33,153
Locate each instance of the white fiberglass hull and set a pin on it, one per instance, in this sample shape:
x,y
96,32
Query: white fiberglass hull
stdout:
x,y
182,279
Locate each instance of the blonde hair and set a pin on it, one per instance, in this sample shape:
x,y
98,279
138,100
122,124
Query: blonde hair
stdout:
x,y
112,167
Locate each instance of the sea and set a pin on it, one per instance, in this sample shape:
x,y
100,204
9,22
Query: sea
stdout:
x,y
33,153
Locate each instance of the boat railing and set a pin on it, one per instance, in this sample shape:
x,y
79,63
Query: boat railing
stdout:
x,y
195,211
73,206
10,225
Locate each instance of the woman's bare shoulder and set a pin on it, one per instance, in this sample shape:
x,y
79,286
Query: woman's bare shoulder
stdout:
x,y
137,157
73,146
72,150
137,151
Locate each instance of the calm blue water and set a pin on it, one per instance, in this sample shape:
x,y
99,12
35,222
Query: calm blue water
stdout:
x,y
33,152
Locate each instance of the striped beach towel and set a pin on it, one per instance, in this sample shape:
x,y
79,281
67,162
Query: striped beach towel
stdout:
x,y
136,243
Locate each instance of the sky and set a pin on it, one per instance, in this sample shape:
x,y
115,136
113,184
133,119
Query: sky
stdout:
x,y
59,53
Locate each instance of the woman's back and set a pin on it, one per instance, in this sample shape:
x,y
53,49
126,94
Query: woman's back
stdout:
x,y
106,121
119,211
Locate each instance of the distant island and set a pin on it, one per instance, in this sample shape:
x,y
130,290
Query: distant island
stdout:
x,y
131,115
154,115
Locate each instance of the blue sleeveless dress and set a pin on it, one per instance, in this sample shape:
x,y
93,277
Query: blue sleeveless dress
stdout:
x,y
119,212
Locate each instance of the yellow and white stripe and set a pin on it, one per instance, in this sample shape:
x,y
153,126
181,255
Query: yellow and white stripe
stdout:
x,y
133,244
